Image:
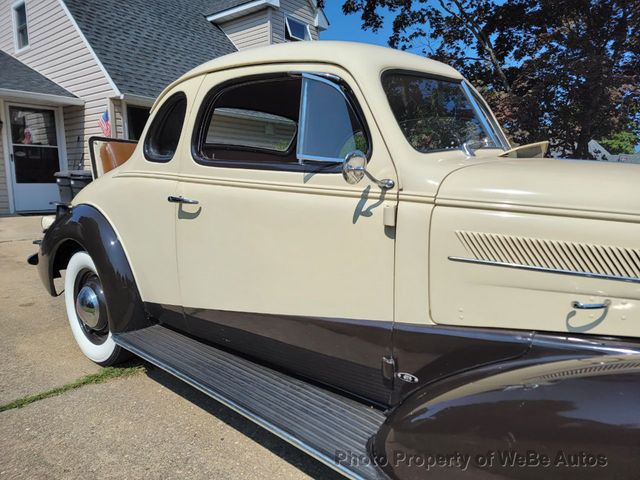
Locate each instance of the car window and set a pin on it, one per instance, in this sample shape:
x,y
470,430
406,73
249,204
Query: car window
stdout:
x,y
436,114
251,121
330,127
255,123
164,133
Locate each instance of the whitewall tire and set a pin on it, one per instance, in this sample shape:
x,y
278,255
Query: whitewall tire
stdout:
x,y
87,312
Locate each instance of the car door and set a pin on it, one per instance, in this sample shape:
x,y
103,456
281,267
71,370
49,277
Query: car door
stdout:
x,y
280,258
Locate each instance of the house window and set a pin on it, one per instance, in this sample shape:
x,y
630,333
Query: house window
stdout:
x,y
296,30
20,25
136,120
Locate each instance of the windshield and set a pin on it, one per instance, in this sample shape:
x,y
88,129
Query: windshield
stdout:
x,y
438,114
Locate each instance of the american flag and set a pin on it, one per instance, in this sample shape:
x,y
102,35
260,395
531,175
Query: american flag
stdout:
x,y
104,123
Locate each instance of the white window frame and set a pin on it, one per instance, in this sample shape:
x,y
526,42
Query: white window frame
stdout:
x,y
14,15
287,18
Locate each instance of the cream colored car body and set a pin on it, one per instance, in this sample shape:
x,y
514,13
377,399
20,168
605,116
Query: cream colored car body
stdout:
x,y
482,241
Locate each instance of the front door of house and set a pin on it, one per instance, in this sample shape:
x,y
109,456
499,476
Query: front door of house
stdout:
x,y
35,157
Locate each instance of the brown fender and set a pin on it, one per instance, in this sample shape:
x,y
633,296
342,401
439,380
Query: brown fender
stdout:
x,y
577,418
85,228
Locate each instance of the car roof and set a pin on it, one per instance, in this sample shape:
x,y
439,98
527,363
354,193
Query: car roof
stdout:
x,y
356,58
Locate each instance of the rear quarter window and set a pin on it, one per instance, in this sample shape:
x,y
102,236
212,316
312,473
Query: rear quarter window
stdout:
x,y
162,139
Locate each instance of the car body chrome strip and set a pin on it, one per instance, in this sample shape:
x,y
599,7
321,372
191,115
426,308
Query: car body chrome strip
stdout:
x,y
544,269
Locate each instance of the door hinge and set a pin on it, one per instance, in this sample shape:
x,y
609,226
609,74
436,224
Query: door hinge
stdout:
x,y
389,215
388,370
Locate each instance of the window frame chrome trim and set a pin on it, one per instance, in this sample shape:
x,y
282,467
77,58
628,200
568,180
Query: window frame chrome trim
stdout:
x,y
302,115
520,266
318,158
495,138
334,82
502,141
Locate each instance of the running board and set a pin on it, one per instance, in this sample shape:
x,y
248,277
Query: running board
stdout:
x,y
323,424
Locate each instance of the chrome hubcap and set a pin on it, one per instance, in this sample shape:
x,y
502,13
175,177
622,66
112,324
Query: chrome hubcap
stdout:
x,y
87,307
90,306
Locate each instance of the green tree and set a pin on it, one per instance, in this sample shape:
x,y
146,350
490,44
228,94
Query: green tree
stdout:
x,y
566,71
620,143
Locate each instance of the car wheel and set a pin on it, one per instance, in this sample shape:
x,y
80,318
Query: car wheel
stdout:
x,y
87,312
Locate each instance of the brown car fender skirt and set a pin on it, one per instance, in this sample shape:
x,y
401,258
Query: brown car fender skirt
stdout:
x,y
84,228
577,418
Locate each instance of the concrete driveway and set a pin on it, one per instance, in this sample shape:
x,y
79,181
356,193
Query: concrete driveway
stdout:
x,y
147,425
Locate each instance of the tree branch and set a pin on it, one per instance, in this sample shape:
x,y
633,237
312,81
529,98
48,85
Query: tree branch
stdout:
x,y
485,41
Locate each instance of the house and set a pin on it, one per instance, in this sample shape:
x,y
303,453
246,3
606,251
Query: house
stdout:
x,y
72,69
598,152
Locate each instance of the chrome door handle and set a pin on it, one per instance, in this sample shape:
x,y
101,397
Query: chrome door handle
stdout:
x,y
176,199
590,306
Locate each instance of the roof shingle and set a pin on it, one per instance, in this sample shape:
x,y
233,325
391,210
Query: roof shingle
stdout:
x,y
217,6
146,45
15,75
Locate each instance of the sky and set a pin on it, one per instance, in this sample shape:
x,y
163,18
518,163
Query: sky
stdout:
x,y
348,27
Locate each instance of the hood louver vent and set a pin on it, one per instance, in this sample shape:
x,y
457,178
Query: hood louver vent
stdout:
x,y
617,263
605,368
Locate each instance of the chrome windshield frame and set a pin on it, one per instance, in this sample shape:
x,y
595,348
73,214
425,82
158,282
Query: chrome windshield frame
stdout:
x,y
496,134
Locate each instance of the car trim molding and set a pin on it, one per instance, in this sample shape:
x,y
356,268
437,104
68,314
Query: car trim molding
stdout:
x,y
519,266
224,182
444,201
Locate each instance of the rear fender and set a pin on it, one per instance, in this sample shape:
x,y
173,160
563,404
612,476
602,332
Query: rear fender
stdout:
x,y
85,227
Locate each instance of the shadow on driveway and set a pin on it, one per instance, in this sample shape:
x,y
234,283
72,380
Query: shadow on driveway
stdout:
x,y
282,449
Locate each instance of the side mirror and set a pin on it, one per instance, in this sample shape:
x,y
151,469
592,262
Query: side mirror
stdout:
x,y
354,169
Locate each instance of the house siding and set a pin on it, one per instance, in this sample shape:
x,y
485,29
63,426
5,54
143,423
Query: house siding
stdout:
x,y
118,119
298,9
4,193
251,31
74,118
235,130
57,50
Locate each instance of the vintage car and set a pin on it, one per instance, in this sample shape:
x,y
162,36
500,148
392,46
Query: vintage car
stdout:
x,y
338,242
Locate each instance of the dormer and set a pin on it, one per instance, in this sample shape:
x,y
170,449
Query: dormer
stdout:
x,y
264,22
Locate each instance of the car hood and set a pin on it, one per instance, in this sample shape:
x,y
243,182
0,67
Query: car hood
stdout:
x,y
545,183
